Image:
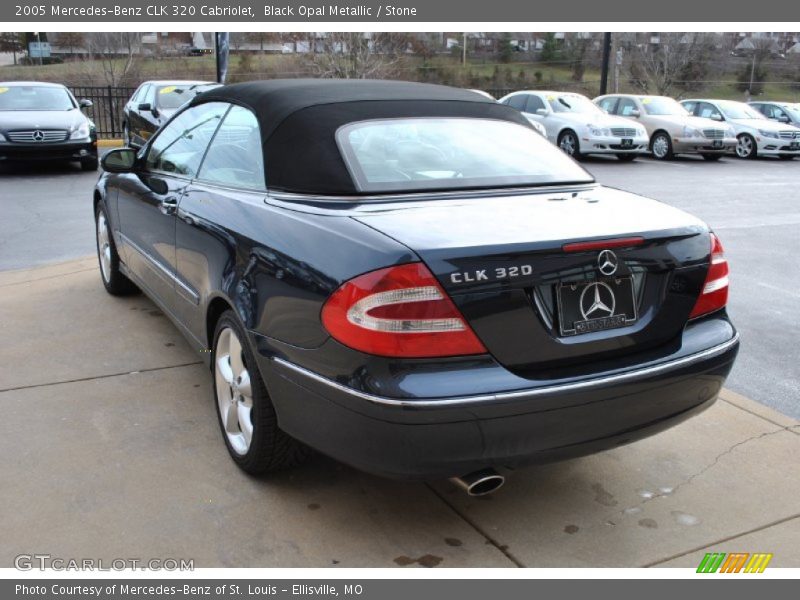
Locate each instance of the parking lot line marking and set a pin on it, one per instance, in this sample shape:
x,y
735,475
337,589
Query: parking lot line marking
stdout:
x,y
92,378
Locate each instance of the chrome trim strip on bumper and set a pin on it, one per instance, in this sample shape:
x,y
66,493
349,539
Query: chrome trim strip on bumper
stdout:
x,y
505,396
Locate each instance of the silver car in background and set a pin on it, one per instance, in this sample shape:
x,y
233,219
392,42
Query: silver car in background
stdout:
x,y
672,130
579,127
756,135
782,112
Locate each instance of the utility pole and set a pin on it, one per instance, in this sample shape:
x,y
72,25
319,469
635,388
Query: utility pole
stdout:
x,y
464,50
606,60
39,42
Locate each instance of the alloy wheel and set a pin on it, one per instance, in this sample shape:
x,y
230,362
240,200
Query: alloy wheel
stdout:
x,y
744,147
568,144
660,146
234,391
104,246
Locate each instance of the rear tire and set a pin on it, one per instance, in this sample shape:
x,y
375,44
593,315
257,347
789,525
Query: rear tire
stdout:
x,y
627,157
746,147
712,157
661,146
569,144
114,281
245,411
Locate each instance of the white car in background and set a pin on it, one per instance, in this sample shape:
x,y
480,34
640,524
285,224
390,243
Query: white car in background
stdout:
x,y
756,135
578,127
535,124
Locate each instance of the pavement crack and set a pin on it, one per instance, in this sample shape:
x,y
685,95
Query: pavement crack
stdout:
x,y
489,539
691,478
47,277
93,377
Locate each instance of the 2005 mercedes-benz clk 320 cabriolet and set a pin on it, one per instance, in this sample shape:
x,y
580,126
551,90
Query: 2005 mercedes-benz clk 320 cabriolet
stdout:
x,y
409,279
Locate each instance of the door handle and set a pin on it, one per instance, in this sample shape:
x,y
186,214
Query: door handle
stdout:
x,y
169,205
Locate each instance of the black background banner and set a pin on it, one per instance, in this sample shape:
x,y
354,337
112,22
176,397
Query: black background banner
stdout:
x,y
473,11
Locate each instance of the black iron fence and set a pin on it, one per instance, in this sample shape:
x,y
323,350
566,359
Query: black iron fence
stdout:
x,y
106,112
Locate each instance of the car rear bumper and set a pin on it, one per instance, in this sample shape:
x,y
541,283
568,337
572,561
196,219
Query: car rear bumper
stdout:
x,y
454,435
77,150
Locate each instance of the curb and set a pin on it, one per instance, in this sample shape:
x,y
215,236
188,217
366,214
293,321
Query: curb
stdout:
x,y
108,143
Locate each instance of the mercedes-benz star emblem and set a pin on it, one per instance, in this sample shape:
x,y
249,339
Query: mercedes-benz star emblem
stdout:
x,y
597,300
38,136
607,262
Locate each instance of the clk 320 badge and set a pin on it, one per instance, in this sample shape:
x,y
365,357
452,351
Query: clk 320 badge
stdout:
x,y
495,274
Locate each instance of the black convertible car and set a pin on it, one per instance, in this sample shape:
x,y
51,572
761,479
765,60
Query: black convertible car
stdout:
x,y
408,278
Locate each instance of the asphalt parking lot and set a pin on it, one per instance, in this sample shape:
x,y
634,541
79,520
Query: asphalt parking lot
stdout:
x,y
111,447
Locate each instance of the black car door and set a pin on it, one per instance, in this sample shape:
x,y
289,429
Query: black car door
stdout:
x,y
148,198
230,178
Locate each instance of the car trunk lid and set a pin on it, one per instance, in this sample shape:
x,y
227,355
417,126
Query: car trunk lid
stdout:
x,y
510,265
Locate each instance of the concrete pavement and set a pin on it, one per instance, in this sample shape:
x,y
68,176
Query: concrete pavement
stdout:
x,y
111,450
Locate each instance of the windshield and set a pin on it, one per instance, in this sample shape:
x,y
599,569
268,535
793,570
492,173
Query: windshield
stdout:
x,y
793,110
574,103
35,97
738,110
451,153
174,96
659,105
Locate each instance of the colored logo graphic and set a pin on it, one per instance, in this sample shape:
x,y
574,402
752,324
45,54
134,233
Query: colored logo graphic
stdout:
x,y
735,562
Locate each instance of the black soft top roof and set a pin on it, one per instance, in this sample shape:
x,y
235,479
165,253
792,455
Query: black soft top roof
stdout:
x,y
298,120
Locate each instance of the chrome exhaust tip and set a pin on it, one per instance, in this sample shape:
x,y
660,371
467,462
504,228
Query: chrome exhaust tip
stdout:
x,y
480,483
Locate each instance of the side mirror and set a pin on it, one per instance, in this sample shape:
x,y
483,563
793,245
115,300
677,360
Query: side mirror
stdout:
x,y
717,117
784,118
541,111
145,106
119,160
85,103
635,113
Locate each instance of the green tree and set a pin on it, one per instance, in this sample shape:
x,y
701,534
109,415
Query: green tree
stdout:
x,y
550,50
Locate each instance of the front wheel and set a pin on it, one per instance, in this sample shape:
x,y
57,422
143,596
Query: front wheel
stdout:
x,y
114,281
661,146
246,415
746,146
568,142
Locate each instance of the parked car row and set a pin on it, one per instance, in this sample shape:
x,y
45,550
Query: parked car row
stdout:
x,y
630,125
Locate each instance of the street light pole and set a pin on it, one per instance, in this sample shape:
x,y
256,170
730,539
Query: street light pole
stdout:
x,y
606,60
39,43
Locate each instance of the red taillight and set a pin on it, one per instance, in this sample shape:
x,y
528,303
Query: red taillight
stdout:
x,y
715,289
399,311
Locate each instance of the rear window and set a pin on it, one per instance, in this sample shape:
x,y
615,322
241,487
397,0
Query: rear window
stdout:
x,y
417,154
